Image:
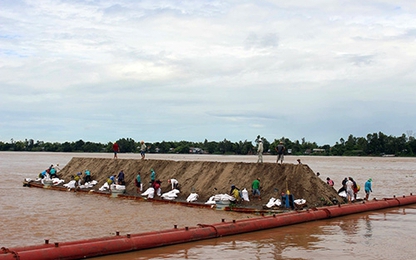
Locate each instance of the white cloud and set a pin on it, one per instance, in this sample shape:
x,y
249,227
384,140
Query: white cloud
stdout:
x,y
190,70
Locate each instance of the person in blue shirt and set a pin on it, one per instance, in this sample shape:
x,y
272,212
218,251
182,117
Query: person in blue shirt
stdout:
x,y
152,176
138,182
52,172
111,179
367,188
42,174
87,176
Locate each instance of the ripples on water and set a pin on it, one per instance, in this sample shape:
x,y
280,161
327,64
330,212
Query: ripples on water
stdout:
x,y
365,236
31,215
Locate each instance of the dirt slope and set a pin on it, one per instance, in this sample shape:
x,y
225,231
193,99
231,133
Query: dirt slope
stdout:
x,y
208,178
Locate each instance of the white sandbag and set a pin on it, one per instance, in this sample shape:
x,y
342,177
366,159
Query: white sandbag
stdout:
x,y
193,197
343,194
245,194
210,201
46,178
70,185
167,198
300,201
271,203
104,187
171,195
88,185
219,197
120,187
278,202
150,190
57,181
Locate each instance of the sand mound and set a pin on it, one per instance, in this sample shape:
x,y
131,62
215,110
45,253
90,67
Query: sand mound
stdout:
x,y
209,178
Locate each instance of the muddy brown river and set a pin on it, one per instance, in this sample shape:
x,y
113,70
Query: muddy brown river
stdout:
x,y
30,215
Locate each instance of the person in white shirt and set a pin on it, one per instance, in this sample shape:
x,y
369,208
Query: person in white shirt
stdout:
x,y
260,151
349,189
174,183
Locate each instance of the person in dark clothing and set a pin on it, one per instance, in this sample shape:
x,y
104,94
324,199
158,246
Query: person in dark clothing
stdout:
x,y
120,178
343,188
280,149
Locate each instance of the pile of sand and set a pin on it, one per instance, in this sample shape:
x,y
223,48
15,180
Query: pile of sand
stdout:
x,y
207,178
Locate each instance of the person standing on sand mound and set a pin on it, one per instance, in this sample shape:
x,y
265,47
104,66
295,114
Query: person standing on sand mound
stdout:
x,y
260,151
116,149
143,148
280,149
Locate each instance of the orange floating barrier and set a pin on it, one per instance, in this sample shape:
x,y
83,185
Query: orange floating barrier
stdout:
x,y
132,242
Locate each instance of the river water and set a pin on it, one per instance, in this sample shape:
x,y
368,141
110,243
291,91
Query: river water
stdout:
x,y
29,215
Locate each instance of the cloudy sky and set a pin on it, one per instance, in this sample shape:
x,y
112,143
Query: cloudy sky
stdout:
x,y
101,70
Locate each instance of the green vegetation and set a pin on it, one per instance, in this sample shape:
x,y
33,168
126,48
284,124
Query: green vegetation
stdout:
x,y
376,144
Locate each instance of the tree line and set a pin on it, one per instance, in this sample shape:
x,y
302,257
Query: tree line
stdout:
x,y
375,144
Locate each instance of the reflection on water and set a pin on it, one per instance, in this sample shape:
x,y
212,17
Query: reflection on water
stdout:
x,y
349,227
31,215
368,227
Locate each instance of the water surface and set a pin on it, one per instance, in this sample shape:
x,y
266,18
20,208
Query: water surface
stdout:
x,y
31,215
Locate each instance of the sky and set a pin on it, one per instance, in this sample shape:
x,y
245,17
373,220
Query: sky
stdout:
x,y
170,70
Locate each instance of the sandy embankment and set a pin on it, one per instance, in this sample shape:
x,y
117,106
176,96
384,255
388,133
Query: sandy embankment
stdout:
x,y
208,178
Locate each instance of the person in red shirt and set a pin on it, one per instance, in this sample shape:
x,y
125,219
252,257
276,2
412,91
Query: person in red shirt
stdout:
x,y
157,186
116,149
